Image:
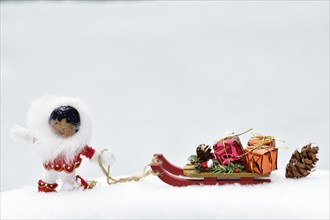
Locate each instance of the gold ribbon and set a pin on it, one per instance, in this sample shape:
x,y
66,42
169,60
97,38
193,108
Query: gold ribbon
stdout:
x,y
233,135
271,137
224,147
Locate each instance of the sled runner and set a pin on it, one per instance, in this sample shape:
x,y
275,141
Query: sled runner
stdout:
x,y
187,176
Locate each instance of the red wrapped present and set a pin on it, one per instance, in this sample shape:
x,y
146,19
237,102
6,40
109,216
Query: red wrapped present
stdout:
x,y
228,150
261,159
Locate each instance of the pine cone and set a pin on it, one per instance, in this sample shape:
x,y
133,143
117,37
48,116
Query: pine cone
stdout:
x,y
302,163
203,153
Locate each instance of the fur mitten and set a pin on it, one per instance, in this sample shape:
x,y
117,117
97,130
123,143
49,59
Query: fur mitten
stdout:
x,y
21,134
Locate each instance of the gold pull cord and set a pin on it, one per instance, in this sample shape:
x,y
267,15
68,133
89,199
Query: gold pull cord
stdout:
x,y
111,180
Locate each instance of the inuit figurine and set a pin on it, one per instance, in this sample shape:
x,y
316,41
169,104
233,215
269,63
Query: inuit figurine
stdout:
x,y
60,130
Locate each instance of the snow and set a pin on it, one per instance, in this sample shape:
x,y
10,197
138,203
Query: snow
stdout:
x,y
150,198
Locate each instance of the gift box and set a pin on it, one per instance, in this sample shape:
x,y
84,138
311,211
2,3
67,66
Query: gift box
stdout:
x,y
262,141
261,159
228,150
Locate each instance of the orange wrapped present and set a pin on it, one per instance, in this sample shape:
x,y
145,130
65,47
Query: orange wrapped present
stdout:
x,y
261,159
262,141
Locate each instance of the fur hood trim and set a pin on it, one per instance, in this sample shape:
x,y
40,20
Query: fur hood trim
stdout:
x,y
48,144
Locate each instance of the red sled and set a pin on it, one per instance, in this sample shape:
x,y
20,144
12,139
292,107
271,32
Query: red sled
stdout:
x,y
188,176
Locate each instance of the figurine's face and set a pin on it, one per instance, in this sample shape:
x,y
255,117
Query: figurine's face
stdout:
x,y
63,128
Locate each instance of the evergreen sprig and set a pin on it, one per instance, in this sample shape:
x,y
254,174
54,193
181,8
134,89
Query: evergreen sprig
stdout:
x,y
216,168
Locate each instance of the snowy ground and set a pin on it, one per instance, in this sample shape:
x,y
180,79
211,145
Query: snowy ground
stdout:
x,y
151,198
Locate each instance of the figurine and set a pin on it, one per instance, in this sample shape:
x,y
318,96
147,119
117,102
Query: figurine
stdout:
x,y
60,129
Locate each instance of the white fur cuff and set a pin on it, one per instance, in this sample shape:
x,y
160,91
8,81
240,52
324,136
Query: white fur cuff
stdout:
x,y
107,158
21,134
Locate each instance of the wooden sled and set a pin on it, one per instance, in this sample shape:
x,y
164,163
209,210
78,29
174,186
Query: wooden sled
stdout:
x,y
187,176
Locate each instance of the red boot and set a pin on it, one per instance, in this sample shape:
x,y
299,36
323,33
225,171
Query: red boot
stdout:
x,y
46,187
82,182
89,184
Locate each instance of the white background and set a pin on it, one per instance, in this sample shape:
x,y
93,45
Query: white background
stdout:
x,y
163,77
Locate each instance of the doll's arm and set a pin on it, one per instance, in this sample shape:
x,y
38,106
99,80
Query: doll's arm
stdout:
x,y
21,134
